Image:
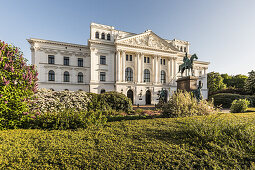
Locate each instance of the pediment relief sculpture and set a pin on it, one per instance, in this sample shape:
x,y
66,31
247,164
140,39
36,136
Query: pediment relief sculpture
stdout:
x,y
147,40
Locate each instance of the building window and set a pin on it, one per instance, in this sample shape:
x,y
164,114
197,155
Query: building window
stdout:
x,y
185,50
66,61
66,76
51,75
102,91
129,74
181,49
163,76
102,36
161,61
109,37
144,59
148,59
80,62
126,57
164,61
80,77
131,58
146,75
51,59
102,60
97,34
102,76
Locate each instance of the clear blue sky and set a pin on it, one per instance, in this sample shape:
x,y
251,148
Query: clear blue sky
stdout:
x,y
220,31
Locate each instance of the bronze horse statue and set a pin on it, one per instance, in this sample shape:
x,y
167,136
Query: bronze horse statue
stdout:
x,y
187,64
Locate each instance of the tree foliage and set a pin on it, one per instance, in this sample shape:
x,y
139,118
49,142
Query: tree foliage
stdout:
x,y
250,83
17,85
215,82
236,81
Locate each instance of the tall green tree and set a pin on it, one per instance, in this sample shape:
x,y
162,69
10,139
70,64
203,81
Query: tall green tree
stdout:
x,y
215,82
236,81
250,83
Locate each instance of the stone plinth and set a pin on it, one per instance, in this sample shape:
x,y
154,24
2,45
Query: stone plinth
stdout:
x,y
188,83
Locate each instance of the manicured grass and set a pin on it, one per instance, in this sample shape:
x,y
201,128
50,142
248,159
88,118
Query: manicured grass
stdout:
x,y
160,143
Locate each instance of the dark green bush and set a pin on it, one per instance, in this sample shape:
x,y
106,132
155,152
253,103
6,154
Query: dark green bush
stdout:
x,y
67,119
226,99
109,101
17,85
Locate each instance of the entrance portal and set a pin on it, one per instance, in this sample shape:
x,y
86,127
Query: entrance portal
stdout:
x,y
148,97
130,95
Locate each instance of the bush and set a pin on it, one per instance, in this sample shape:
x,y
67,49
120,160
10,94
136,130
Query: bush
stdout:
x,y
17,85
58,101
183,104
225,99
67,119
239,106
109,101
117,101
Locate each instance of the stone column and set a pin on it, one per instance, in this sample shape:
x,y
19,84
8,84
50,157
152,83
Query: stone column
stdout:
x,y
168,70
142,67
138,63
156,69
159,69
153,69
123,65
118,66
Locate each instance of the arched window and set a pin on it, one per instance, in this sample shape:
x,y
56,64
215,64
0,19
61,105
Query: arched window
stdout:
x,y
66,76
108,37
181,49
185,50
97,34
80,77
163,76
129,74
102,91
51,75
146,75
102,36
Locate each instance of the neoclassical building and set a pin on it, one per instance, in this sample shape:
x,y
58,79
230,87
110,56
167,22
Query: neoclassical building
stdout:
x,y
138,65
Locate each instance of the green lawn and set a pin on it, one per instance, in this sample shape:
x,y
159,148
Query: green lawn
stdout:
x,y
160,143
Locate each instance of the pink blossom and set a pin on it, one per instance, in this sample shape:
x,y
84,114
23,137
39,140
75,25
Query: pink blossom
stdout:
x,y
12,69
5,102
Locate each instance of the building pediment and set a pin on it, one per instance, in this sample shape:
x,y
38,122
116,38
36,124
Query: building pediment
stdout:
x,y
147,39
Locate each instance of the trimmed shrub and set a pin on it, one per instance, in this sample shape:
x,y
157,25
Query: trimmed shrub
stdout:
x,y
225,99
183,104
239,106
67,119
17,85
109,101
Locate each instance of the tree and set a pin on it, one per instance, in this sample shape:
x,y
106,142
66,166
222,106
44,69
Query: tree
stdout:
x,y
250,83
236,81
17,85
215,82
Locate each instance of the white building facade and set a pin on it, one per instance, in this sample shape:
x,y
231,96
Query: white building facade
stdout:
x,y
138,65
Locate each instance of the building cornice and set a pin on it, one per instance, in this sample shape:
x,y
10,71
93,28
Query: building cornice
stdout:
x,y
33,40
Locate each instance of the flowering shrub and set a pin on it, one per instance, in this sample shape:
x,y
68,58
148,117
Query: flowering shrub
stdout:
x,y
58,101
239,106
183,104
17,85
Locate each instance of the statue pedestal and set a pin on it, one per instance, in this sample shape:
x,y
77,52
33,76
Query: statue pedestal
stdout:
x,y
188,83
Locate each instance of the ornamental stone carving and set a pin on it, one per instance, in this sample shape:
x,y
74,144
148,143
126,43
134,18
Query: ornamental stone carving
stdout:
x,y
149,40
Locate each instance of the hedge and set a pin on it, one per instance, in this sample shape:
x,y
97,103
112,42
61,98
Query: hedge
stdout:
x,y
225,99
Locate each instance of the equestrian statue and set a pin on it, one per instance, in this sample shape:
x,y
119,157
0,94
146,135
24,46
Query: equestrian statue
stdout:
x,y
187,64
